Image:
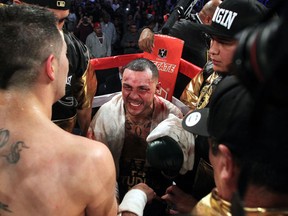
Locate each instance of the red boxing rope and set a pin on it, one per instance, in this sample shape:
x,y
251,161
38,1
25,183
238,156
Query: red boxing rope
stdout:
x,y
185,67
188,68
113,61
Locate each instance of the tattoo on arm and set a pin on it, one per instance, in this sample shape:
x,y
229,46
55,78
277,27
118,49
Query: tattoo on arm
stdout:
x,y
13,156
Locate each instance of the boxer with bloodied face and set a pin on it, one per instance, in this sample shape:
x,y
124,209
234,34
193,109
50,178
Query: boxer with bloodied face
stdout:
x,y
132,116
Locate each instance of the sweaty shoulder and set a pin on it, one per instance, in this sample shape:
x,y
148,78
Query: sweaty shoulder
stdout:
x,y
92,167
96,171
90,149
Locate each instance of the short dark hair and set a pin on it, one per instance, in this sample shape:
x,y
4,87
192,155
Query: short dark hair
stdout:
x,y
29,36
142,64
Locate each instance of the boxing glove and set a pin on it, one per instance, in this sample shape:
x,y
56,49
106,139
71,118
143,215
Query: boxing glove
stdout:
x,y
164,153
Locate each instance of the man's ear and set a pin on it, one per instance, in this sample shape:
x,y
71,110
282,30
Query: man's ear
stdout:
x,y
49,66
229,172
227,162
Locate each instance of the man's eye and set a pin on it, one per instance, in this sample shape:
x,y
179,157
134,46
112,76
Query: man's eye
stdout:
x,y
226,42
143,89
126,87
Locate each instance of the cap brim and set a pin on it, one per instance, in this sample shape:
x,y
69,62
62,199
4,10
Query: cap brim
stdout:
x,y
196,122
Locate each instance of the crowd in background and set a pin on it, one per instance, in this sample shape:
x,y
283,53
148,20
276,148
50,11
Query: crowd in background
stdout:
x,y
122,14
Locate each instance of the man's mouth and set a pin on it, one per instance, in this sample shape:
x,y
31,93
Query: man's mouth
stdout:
x,y
215,62
135,104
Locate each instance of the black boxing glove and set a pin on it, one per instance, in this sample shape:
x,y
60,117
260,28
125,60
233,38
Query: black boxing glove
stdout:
x,y
165,154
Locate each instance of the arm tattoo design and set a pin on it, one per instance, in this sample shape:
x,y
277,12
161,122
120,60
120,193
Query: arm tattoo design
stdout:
x,y
13,156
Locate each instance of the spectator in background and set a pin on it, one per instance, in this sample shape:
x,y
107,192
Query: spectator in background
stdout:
x,y
71,21
79,11
150,24
127,22
130,39
98,43
99,46
118,23
108,28
137,17
84,28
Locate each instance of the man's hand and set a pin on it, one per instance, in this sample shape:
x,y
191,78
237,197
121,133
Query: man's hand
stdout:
x,y
181,201
147,190
146,40
135,200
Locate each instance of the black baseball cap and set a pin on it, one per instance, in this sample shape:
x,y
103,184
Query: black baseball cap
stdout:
x,y
53,4
233,16
228,118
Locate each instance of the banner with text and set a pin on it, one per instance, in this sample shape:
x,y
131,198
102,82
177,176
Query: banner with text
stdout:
x,y
166,55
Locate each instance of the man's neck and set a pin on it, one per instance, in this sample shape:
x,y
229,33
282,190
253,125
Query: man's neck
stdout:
x,y
24,103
